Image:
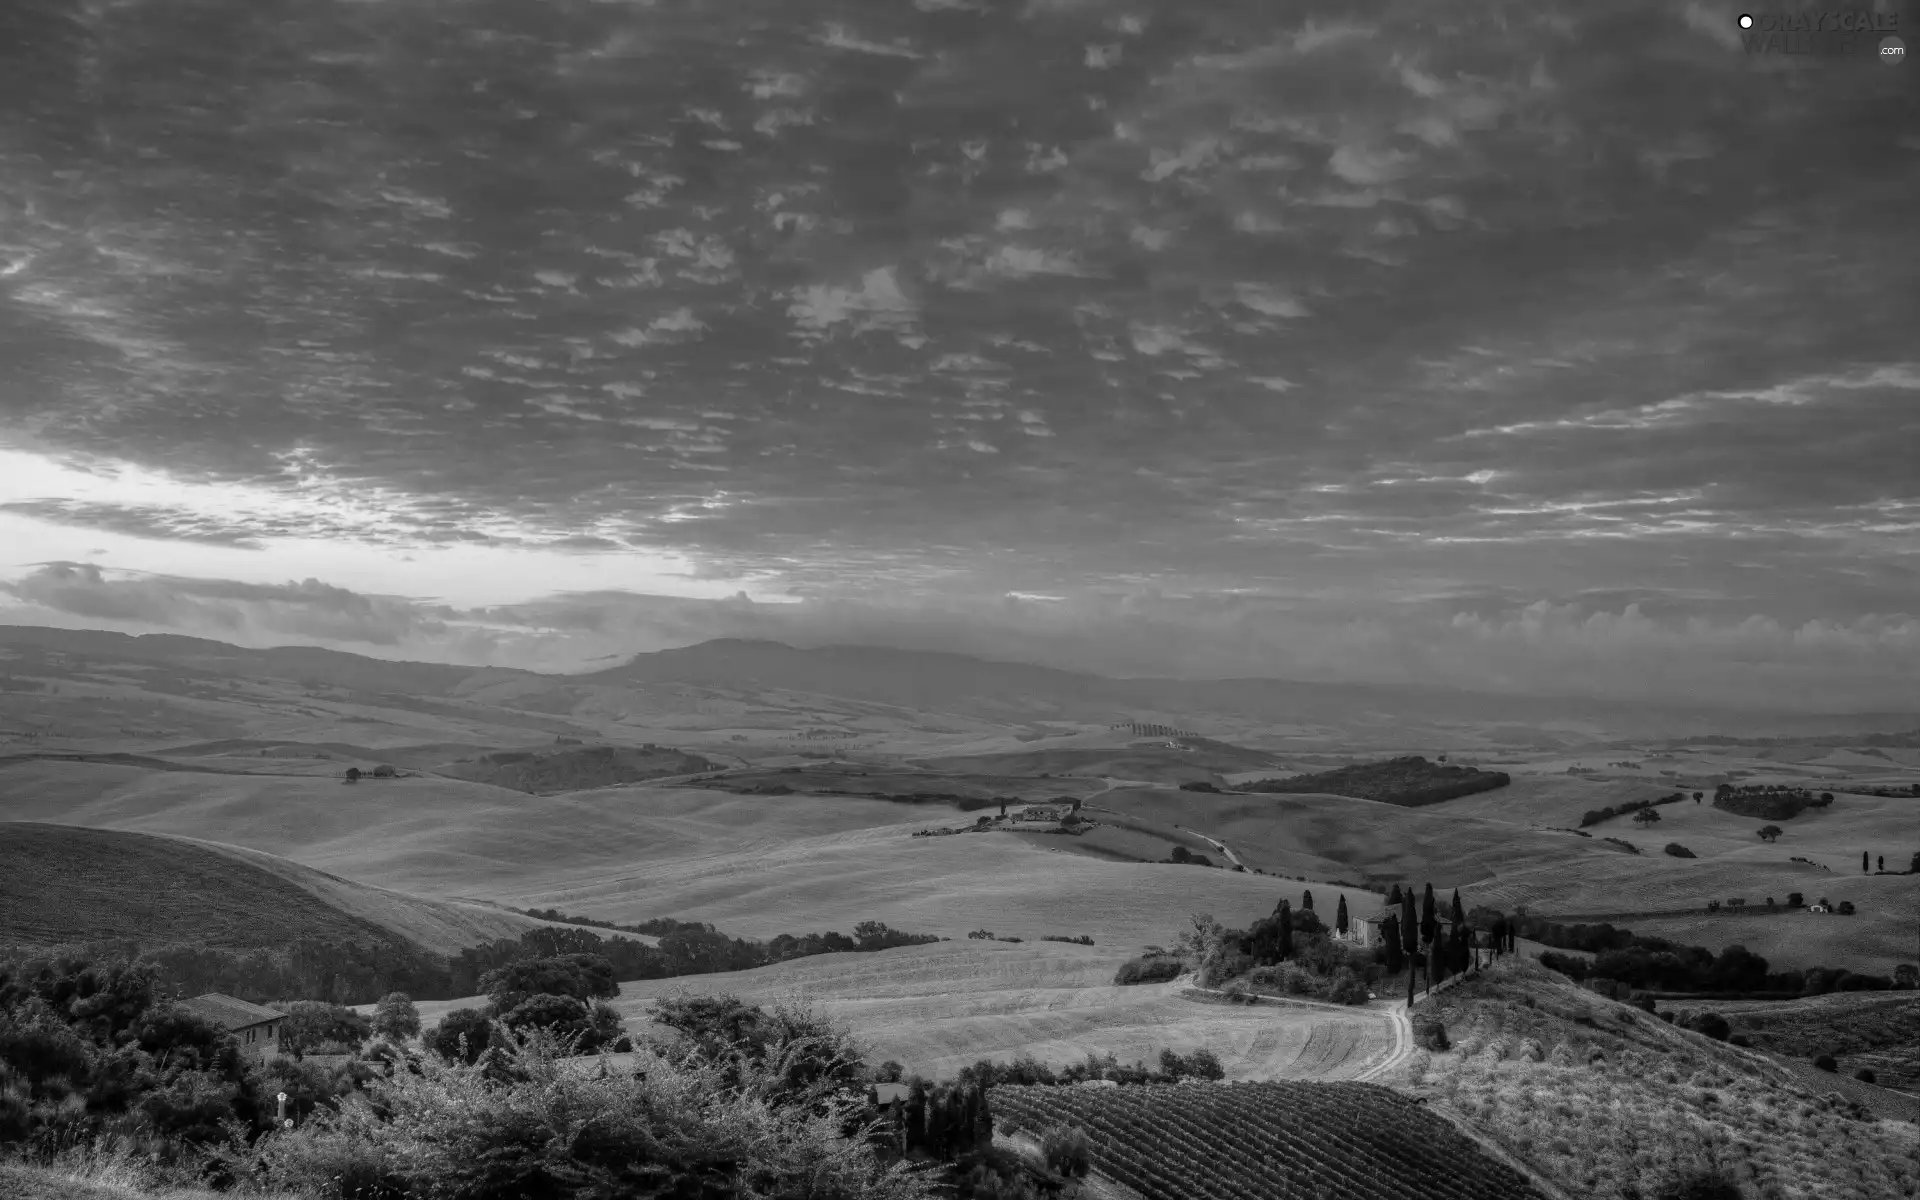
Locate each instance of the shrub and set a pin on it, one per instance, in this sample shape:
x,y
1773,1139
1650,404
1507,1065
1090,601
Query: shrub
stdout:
x,y
1846,908
1429,1033
672,1126
471,1024
1066,1152
314,1026
1825,1062
1678,851
1347,988
1866,1075
1710,1183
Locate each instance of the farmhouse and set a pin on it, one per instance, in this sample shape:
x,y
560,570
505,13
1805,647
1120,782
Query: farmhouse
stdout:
x,y
254,1026
1365,932
1819,908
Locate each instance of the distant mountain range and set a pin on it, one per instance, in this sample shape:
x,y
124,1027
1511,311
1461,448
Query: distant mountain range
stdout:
x,y
945,683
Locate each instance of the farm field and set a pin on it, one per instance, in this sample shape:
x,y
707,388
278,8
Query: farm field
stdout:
x,y
940,1007
755,866
1272,1141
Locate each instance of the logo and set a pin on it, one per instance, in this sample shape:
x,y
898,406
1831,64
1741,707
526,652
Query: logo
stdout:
x,y
1826,33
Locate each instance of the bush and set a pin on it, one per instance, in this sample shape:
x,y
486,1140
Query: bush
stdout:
x,y
1825,1062
1866,1075
1347,988
472,1024
1678,851
1066,1151
395,1018
672,1126
1429,1033
1149,968
316,1027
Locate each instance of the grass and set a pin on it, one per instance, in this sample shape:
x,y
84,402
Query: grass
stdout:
x,y
1878,1030
1600,1096
103,1172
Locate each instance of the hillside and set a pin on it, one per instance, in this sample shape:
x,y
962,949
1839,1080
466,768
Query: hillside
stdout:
x,y
1598,1095
1410,782
60,883
574,770
1336,1141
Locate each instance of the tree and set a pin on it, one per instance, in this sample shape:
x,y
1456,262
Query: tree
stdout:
x,y
1795,900
1880,862
395,1018
1409,927
1645,816
1459,915
1285,941
1913,868
312,1024
1393,897
1696,797
463,1035
1769,833
1340,916
1863,863
1390,934
1306,900
1429,922
1906,976
353,774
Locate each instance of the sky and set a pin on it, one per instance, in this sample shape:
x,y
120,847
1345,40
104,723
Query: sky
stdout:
x,y
1536,347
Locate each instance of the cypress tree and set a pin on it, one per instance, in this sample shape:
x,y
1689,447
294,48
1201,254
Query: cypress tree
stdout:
x,y
983,1120
1286,932
1863,865
1429,923
1499,935
1340,916
1409,929
1436,963
1390,933
1393,897
1306,897
915,1118
1459,915
1462,950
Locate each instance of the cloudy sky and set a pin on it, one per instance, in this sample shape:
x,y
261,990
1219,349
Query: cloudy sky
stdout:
x,y
1528,346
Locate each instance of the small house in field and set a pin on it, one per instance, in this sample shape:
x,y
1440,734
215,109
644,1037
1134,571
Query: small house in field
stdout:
x,y
889,1095
1818,908
255,1026
1364,932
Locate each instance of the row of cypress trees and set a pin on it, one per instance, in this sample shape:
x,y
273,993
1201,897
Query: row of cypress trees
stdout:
x,y
1416,941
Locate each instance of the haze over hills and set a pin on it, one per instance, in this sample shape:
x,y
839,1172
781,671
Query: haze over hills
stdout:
x,y
904,688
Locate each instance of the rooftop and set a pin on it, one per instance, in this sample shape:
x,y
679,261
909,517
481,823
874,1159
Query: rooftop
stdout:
x,y
229,1012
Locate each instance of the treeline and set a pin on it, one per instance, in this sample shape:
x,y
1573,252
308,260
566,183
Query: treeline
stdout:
x,y
1657,964
685,948
353,973
305,968
1594,816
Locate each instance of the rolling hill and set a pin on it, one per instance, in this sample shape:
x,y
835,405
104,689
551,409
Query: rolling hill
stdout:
x,y
574,770
62,883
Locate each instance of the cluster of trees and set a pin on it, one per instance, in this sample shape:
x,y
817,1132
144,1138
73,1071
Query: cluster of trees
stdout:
x,y
562,994
96,1049
1180,854
1411,781
1769,801
1678,851
1296,952
1594,816
1078,940
1656,964
1912,789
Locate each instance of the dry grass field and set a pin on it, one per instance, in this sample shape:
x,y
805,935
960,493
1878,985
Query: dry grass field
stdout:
x,y
940,1007
1599,1096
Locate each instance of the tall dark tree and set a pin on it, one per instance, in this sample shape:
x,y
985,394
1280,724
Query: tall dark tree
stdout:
x,y
1286,931
1429,922
1409,926
1459,915
1499,935
1340,916
1863,862
1436,962
1880,862
1393,897
1460,941
1390,933
1306,897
